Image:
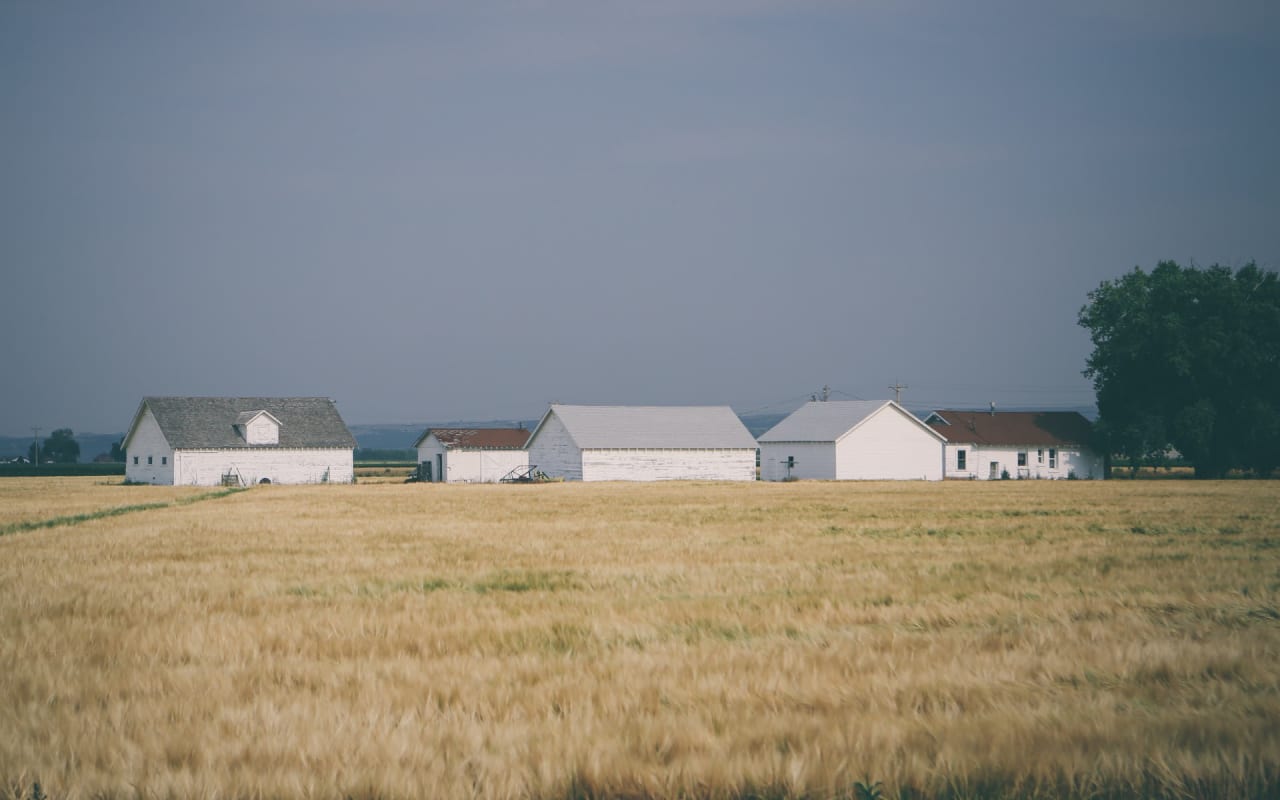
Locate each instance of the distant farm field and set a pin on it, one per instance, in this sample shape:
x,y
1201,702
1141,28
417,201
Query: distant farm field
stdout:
x,y
1005,639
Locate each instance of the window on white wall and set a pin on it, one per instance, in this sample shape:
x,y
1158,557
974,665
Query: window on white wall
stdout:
x,y
1022,459
149,461
1053,458
1040,456
135,460
164,460
960,459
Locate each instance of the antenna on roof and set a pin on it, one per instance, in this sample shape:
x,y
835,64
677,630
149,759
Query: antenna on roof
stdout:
x,y
897,388
826,393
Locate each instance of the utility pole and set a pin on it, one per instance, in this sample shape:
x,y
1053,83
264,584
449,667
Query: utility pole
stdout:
x,y
35,440
826,393
897,388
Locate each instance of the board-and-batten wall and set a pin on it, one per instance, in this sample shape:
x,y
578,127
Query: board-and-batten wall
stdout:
x,y
813,460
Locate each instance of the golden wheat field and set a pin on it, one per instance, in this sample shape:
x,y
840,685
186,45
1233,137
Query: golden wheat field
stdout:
x,y
819,640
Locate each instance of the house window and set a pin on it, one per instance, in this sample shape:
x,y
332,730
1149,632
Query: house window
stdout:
x,y
1040,456
960,459
1053,458
164,460
1022,459
135,460
149,461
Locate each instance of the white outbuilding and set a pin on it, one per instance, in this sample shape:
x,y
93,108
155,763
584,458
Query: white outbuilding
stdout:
x,y
238,441
642,443
472,455
851,440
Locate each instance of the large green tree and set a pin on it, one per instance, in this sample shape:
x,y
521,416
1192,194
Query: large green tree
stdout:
x,y
1189,358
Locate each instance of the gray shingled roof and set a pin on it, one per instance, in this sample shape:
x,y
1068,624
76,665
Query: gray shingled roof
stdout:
x,y
651,427
209,422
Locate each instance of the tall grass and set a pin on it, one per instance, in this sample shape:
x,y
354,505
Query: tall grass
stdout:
x,y
697,640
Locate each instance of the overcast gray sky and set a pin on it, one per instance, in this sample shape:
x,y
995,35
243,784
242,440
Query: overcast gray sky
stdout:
x,y
434,211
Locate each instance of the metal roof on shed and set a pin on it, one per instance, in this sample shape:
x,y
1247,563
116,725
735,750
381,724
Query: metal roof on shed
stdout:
x,y
829,421
653,427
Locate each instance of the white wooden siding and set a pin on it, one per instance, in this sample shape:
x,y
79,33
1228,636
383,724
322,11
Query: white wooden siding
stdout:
x,y
148,442
889,446
668,465
279,465
814,460
554,452
1086,464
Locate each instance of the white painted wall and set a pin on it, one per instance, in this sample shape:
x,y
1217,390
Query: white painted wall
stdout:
x,y
888,446
427,451
668,465
814,460
553,451
1086,464
151,452
279,465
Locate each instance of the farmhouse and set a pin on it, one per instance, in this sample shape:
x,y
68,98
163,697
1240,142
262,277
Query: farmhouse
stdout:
x,y
471,455
851,440
642,443
206,441
987,445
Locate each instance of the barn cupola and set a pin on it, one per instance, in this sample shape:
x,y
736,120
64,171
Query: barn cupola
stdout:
x,y
258,427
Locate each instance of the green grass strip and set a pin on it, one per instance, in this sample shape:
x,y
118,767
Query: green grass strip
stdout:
x,y
76,519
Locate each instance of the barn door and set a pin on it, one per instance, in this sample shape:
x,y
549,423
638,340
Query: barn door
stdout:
x,y
995,470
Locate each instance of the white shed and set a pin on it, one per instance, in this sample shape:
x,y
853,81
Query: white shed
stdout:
x,y
643,443
851,440
988,445
471,455
206,441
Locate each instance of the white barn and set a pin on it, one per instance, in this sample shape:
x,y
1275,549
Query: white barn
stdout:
x,y
985,445
642,443
851,440
471,455
207,441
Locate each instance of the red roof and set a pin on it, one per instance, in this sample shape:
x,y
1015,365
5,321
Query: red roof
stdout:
x,y
1039,428
480,438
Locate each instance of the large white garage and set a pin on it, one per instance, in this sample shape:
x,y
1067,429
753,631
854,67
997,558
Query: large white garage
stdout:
x,y
642,443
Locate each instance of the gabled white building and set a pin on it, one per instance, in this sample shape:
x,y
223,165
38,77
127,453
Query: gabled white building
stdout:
x,y
471,455
642,443
207,441
851,440
987,445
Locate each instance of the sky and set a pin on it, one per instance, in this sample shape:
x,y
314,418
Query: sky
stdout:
x,y
464,211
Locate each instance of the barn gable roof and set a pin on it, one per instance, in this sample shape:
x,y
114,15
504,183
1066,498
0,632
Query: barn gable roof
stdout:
x,y
1039,428
651,427
211,422
831,421
477,438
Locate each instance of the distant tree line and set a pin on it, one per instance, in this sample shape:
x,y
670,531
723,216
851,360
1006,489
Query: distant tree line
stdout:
x,y
1188,358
